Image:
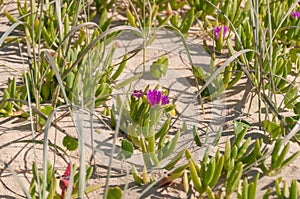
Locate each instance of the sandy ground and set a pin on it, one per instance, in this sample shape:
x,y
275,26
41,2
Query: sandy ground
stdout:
x,y
19,154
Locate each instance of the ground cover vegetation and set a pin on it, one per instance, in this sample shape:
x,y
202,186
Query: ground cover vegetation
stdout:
x,y
71,67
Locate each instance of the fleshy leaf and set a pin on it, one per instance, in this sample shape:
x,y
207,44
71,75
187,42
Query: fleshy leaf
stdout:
x,y
70,143
127,149
196,137
46,110
159,68
114,193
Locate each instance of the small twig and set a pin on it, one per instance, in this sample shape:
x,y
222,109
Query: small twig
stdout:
x,y
42,115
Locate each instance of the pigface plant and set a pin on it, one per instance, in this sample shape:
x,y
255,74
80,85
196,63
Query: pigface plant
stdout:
x,y
11,104
219,34
205,176
248,190
140,117
41,187
284,191
278,159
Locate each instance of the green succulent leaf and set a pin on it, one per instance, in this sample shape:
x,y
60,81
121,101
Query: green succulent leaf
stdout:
x,y
196,137
295,54
187,21
200,73
46,110
138,180
114,193
272,128
174,161
70,143
178,172
32,188
239,125
297,108
169,147
159,68
294,190
291,96
120,68
92,188
127,149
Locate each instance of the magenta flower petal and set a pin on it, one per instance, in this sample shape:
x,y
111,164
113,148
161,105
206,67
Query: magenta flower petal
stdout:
x,y
63,184
137,93
164,100
217,31
67,171
225,31
153,97
295,14
64,181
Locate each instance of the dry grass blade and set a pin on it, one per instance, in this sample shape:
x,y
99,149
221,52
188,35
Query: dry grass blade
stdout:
x,y
82,171
95,41
9,30
57,75
21,185
292,133
59,22
45,150
75,29
32,125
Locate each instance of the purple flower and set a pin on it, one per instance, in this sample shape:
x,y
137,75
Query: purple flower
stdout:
x,y
154,97
295,14
217,31
137,93
164,100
